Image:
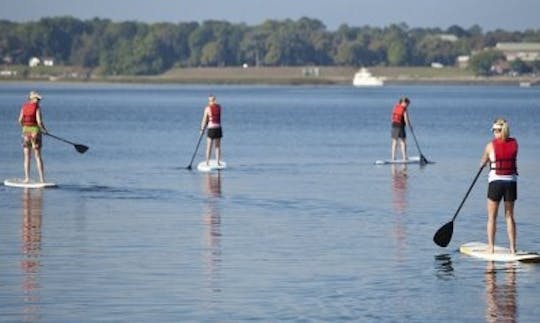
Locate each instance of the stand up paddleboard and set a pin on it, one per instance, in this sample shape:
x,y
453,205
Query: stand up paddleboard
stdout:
x,y
212,166
479,250
18,182
410,160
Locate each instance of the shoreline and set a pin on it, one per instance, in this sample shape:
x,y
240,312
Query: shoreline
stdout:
x,y
307,75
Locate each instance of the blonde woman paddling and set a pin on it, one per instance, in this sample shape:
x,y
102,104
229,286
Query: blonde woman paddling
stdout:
x,y
32,126
501,156
212,121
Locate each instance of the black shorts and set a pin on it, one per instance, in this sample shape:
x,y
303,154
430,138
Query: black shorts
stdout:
x,y
499,189
214,133
398,131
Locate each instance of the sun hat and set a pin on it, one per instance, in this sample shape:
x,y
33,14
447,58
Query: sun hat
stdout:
x,y
34,95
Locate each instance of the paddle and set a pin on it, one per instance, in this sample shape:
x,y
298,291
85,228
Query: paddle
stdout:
x,y
443,236
423,159
196,149
80,148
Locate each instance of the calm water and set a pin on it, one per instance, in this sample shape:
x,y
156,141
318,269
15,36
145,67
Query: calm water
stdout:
x,y
301,226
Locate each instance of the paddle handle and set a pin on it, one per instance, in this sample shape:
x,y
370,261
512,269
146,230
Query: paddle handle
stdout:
x,y
468,191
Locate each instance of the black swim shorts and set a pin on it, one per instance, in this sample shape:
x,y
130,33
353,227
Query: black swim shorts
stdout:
x,y
398,132
499,189
214,133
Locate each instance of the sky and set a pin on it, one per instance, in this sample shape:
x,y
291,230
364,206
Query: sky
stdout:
x,y
510,15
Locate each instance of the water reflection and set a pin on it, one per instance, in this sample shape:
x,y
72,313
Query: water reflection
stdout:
x,y
399,202
212,232
32,206
443,266
399,188
501,305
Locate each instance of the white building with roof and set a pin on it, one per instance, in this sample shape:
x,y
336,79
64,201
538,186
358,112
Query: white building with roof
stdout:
x,y
527,52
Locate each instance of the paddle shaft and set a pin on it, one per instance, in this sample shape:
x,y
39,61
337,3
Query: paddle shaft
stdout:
x,y
422,158
468,191
196,148
58,138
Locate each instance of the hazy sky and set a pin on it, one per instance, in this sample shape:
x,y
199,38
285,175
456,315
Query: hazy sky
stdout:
x,y
488,14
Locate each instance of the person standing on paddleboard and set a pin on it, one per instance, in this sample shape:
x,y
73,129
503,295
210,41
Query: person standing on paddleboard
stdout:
x,y
32,126
501,154
400,119
211,121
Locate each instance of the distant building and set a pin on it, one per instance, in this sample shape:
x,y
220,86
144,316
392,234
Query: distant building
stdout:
x,y
34,61
447,37
500,67
310,71
7,59
462,61
48,61
526,52
5,73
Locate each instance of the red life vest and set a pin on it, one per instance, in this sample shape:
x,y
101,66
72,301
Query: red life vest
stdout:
x,y
29,117
215,114
505,156
398,114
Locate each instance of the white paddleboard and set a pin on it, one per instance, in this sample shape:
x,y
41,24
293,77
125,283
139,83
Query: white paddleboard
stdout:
x,y
479,250
212,166
410,160
18,182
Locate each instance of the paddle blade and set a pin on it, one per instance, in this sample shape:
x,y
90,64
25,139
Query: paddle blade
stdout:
x,y
81,148
423,160
443,236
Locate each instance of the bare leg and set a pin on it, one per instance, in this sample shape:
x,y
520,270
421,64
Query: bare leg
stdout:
x,y
492,209
394,144
39,164
510,224
403,148
217,143
26,164
208,150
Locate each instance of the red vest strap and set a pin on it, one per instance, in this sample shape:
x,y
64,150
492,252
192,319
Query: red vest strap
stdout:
x,y
215,113
30,114
505,156
398,114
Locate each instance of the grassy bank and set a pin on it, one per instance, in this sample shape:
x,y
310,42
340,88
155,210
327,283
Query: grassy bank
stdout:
x,y
269,75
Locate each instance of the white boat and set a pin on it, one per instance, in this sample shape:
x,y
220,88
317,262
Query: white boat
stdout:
x,y
364,78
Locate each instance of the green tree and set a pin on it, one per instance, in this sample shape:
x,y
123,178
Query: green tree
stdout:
x,y
212,54
520,66
398,45
354,53
535,65
482,62
253,47
433,49
138,48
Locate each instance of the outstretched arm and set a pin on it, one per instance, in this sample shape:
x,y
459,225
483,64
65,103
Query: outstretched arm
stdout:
x,y
485,155
406,118
21,118
40,121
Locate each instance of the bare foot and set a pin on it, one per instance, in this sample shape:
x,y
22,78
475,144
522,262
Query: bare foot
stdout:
x,y
26,180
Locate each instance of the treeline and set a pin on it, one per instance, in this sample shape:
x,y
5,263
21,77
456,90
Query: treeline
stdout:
x,y
136,48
